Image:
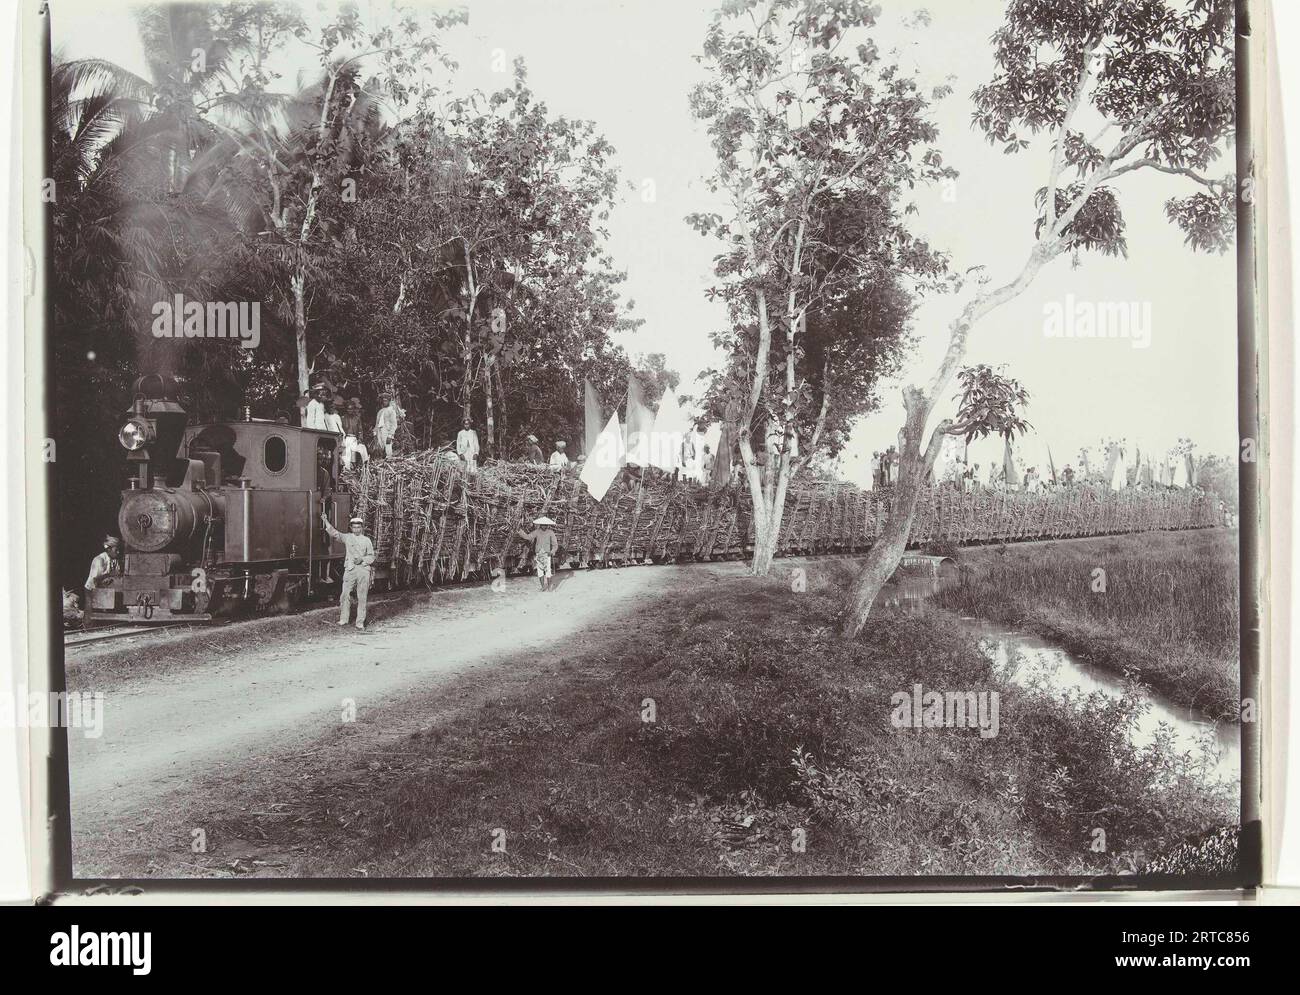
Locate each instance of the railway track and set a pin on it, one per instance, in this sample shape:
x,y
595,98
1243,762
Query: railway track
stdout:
x,y
74,638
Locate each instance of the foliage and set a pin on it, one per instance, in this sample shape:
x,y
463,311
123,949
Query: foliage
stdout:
x,y
816,139
989,404
1218,475
1161,75
480,242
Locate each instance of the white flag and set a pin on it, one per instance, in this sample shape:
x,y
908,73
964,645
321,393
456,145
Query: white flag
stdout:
x,y
1178,478
606,460
1118,473
665,449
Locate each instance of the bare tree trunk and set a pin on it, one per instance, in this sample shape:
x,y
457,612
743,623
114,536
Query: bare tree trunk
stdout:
x,y
767,541
888,549
487,396
469,330
501,393
883,559
298,284
752,477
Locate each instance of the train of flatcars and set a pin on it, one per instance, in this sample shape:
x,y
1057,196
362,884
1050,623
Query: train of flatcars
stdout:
x,y
224,518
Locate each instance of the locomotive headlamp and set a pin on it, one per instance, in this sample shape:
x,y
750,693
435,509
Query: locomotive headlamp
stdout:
x,y
135,434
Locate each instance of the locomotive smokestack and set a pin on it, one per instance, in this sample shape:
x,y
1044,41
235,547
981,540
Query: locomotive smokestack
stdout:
x,y
153,428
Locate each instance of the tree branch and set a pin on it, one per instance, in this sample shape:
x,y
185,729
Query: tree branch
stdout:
x,y
1058,153
1205,181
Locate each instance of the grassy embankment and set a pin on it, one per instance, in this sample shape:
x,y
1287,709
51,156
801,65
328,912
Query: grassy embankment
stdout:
x,y
767,729
1169,612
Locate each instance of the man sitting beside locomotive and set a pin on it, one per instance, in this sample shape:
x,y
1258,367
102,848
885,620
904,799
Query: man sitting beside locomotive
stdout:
x,y
359,554
333,415
102,569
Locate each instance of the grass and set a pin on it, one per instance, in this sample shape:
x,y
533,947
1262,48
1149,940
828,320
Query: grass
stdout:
x,y
733,732
1168,612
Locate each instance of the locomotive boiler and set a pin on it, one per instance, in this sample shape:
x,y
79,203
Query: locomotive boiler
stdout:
x,y
220,517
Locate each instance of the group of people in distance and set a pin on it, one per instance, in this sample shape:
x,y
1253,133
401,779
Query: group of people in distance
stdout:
x,y
467,449
967,477
323,410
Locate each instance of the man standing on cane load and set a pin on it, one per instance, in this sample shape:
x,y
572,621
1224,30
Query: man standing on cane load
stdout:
x,y
314,414
386,423
352,432
533,452
467,445
359,555
545,544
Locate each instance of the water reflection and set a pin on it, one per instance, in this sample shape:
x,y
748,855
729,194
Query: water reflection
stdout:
x,y
1029,660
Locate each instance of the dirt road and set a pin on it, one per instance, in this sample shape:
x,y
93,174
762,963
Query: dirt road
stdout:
x,y
193,724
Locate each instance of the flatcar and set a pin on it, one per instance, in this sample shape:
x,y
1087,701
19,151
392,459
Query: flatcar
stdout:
x,y
222,517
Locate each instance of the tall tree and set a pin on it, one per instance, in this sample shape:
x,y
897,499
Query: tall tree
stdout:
x,y
301,151
490,227
1156,74
816,137
121,241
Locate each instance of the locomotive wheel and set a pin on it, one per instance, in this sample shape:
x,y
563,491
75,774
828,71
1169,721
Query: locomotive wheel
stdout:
x,y
283,590
237,600
222,603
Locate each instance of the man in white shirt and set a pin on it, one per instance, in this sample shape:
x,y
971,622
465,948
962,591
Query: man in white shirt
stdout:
x,y
467,446
688,453
333,420
359,554
558,458
386,424
314,417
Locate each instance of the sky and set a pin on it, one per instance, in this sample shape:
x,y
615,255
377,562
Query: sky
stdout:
x,y
628,66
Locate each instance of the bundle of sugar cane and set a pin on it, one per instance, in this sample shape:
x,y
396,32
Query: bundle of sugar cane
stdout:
x,y
431,518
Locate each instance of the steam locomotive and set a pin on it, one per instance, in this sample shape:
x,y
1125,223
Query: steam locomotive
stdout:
x,y
222,517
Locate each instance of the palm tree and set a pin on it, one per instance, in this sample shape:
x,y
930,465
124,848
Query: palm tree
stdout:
x,y
277,169
190,66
